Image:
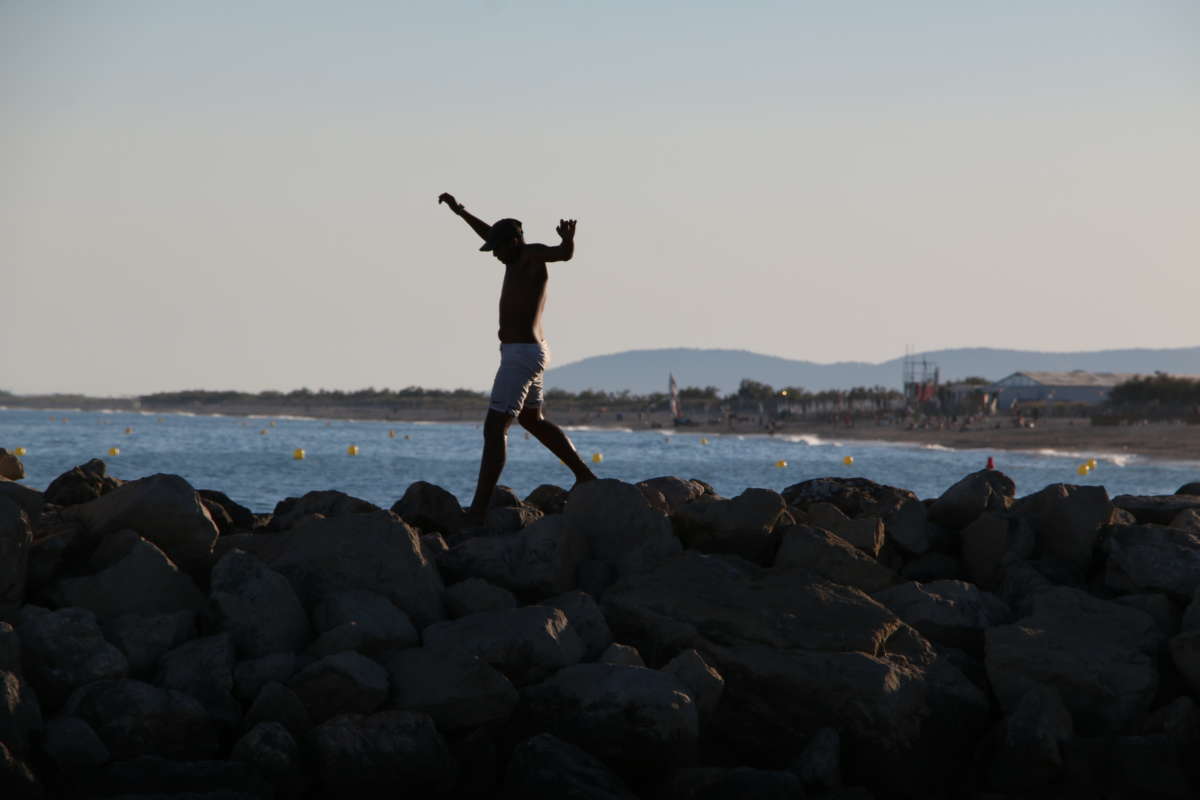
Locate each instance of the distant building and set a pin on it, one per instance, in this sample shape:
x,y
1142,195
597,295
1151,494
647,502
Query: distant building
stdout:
x,y
1078,386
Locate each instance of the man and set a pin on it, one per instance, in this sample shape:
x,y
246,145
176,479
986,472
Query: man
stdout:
x,y
524,355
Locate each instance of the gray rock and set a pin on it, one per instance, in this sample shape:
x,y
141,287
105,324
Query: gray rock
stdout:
x,y
1156,509
374,551
744,526
1160,607
718,783
81,484
546,766
1098,655
343,683
985,490
16,542
991,543
272,749
702,680
277,703
11,468
361,620
510,519
952,613
865,533
10,648
389,754
586,619
430,508
17,779
30,500
932,566
203,669
677,492
535,563
1068,521
142,581
622,654
146,638
256,606
1185,653
1150,558
459,690
831,557
526,644
164,509
819,765
1125,766
1188,520
249,677
72,744
1030,754
638,721
134,718
157,778
1023,581
620,525
327,503
20,714
475,595
855,497
547,497
63,650
908,528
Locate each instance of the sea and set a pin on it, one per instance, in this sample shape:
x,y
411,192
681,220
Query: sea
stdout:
x,y
253,459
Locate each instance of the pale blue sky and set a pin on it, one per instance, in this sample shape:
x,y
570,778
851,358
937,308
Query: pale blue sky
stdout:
x,y
208,195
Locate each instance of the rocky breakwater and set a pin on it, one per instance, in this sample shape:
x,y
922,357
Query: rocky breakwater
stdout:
x,y
841,639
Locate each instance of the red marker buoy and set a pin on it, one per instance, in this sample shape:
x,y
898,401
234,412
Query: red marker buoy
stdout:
x,y
991,464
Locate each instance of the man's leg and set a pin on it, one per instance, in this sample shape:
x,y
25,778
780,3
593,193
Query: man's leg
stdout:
x,y
495,447
555,440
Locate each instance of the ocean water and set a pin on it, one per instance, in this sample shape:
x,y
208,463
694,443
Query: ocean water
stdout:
x,y
250,459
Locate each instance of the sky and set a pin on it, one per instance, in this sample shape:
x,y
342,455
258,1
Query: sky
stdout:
x,y
229,195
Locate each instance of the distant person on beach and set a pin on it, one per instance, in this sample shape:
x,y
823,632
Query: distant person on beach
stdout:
x,y
524,354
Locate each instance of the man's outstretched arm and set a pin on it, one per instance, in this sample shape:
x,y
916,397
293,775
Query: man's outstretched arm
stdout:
x,y
477,225
563,251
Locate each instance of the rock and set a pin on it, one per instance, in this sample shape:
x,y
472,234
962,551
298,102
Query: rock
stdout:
x,y
1029,756
389,754
343,683
985,490
744,525
329,503
586,619
11,468
156,778
142,581
16,542
1156,509
249,677
1097,654
622,654
952,613
526,644
433,545
932,566
504,497
831,557
548,498
637,721
475,595
63,650
164,509
256,606
702,681
676,491
991,543
1145,558
1188,520
908,528
203,669
134,718
81,484
20,714
1160,608
430,508
1023,581
721,783
1189,488
273,751
30,500
457,689
865,533
374,551
1185,653
364,620
533,564
545,766
1068,520
620,525
819,765
595,576
277,703
1124,766
220,516
510,519
72,744
10,648
17,780
853,496
145,638
240,517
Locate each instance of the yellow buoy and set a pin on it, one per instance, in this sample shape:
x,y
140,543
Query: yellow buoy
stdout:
x,y
848,460
704,441
1091,463
1083,469
114,451
391,434
597,458
161,419
272,423
352,450
781,463
20,451
129,430
298,454
263,432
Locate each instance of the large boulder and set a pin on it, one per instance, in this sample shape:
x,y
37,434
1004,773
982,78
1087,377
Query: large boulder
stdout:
x,y
744,526
16,541
134,719
831,557
951,613
11,468
526,644
20,714
272,750
343,683
1098,655
1068,520
536,562
145,638
142,581
375,551
718,783
985,490
587,620
676,492
385,755
853,496
63,650
636,720
203,669
328,503
81,484
621,526
545,766
257,606
1151,558
1029,755
162,508
361,620
993,542
547,498
703,682
1156,509
30,500
240,518
277,703
72,744
458,689
864,532
475,595
430,508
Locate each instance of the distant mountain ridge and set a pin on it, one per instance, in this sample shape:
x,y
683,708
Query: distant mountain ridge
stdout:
x,y
644,371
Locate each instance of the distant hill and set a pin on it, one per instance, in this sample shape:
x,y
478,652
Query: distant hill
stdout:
x,y
644,371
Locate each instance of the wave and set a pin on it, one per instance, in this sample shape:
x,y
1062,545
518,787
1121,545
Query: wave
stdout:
x,y
596,428
1116,459
810,439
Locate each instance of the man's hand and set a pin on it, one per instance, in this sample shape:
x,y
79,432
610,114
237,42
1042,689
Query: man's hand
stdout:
x,y
566,229
448,199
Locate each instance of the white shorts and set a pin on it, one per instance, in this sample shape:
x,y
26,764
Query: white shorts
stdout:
x,y
519,380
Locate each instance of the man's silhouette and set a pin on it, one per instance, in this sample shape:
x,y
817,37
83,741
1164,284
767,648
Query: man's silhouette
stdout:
x,y
524,354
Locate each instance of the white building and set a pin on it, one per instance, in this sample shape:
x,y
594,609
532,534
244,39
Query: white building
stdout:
x,y
1077,386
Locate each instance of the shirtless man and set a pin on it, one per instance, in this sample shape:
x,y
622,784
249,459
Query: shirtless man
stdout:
x,y
524,354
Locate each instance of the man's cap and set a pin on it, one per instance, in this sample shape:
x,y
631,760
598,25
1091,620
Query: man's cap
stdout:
x,y
502,231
